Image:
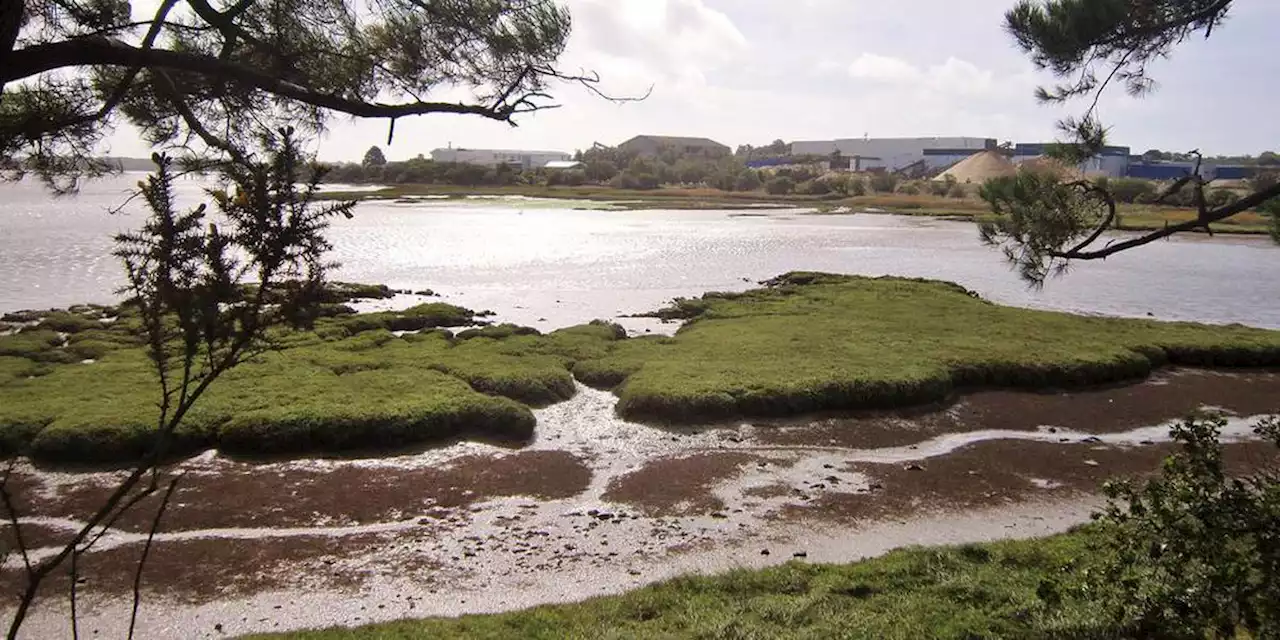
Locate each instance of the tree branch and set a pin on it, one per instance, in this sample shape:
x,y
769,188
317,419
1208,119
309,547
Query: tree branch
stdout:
x,y
1213,215
43,58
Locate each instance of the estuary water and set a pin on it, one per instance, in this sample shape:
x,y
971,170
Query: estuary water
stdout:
x,y
548,263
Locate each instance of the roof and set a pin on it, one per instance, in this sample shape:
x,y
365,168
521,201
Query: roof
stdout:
x,y
563,164
678,140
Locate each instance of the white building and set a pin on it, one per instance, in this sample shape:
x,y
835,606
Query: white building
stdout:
x,y
494,157
896,153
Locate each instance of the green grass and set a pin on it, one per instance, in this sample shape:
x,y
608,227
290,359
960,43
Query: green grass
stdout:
x,y
808,342
996,590
350,385
818,342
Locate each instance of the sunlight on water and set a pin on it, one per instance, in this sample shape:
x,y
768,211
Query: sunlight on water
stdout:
x,y
549,264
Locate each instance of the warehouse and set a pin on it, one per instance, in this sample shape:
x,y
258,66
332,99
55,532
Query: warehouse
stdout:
x,y
1113,162
896,153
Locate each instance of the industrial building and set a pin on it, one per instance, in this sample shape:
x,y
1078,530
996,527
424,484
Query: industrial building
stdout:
x,y
1113,162
895,154
521,159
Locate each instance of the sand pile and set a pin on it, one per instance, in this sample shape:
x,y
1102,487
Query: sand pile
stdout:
x,y
979,168
1051,166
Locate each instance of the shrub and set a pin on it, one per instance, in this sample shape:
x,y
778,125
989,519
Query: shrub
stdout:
x,y
1221,197
957,191
910,189
884,182
1193,552
813,188
780,186
748,180
1131,190
857,186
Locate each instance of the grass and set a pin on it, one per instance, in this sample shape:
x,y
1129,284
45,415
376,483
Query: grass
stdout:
x,y
351,384
996,590
808,342
815,342
1134,217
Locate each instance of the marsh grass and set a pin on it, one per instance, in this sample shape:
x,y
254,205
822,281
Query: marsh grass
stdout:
x,y
999,590
813,342
381,381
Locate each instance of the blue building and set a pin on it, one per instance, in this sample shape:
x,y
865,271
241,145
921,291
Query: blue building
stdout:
x,y
1112,162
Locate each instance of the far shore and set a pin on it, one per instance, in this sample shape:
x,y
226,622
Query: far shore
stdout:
x,y
1134,217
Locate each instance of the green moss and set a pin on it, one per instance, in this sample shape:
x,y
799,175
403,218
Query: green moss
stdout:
x,y
67,322
999,590
812,342
33,344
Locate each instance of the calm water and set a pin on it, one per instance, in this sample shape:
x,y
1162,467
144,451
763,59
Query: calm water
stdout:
x,y
545,264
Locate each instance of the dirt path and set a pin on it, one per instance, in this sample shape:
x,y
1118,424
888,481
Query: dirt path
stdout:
x,y
599,505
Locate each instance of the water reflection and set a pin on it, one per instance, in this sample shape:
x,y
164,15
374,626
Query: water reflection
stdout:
x,y
553,265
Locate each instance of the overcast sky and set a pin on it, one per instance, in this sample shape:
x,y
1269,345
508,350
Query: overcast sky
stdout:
x,y
750,71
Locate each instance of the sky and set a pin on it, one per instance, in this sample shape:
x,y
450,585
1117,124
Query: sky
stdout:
x,y
751,71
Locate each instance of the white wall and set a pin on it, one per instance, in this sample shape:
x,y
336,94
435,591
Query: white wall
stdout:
x,y
494,157
893,153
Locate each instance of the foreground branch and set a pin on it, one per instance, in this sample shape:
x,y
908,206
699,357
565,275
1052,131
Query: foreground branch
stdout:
x,y
1081,252
43,58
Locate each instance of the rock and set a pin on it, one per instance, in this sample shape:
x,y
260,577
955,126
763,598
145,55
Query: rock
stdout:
x,y
634,572
913,467
218,627
875,486
1147,443
1092,463
764,552
828,466
593,512
800,554
719,515
1092,440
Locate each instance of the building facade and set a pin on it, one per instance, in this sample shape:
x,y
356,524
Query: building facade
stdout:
x,y
651,146
1113,162
893,154
521,159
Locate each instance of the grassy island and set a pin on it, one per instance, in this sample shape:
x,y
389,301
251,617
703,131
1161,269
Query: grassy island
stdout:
x,y
75,385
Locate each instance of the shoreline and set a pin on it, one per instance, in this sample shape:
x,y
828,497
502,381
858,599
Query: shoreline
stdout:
x,y
1134,217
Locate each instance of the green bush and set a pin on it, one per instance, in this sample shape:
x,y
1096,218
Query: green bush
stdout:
x,y
780,186
857,186
910,189
1131,190
884,182
1193,552
813,188
1221,197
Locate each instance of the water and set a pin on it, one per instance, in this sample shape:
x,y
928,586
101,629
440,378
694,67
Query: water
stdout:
x,y
547,264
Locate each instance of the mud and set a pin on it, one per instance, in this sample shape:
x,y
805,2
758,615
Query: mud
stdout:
x,y
599,505
678,486
231,495
1167,395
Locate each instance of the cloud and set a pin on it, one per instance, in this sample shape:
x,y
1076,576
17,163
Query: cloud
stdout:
x,y
870,66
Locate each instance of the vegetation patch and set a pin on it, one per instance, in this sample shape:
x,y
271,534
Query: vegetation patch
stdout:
x,y
351,384
1000,590
806,342
810,342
